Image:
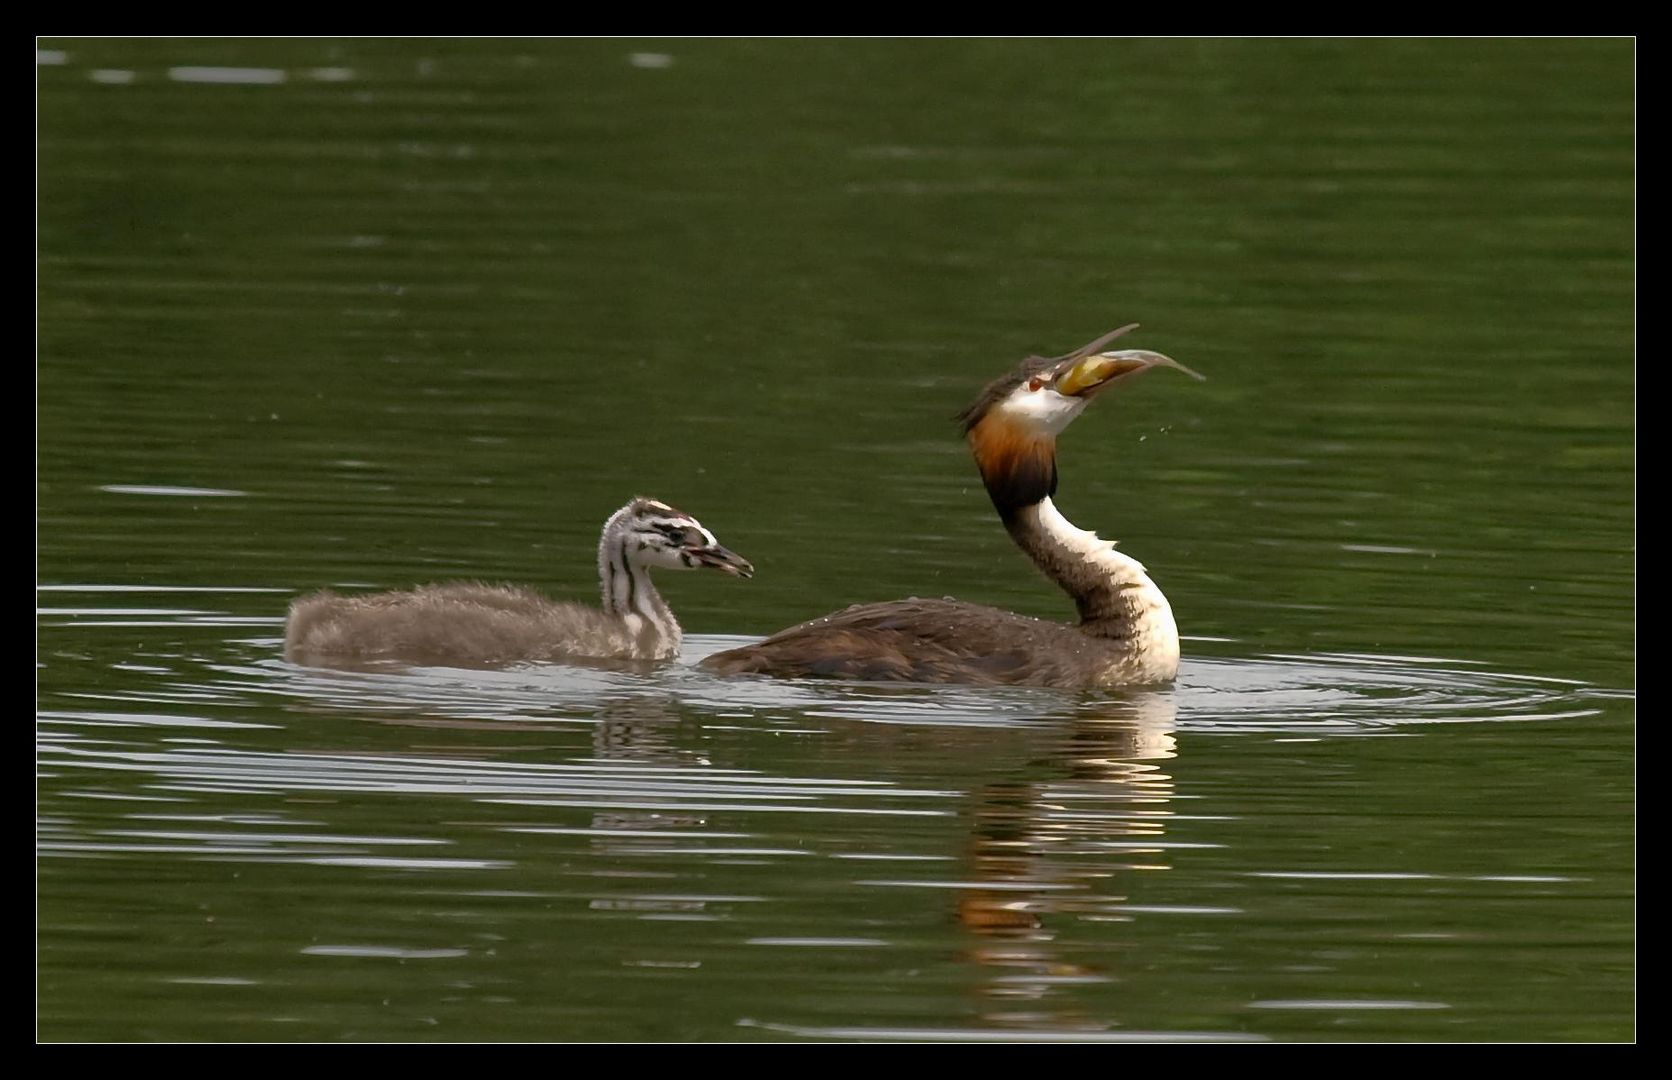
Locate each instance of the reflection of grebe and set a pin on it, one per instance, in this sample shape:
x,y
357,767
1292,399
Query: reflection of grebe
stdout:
x,y
474,625
1126,634
1049,852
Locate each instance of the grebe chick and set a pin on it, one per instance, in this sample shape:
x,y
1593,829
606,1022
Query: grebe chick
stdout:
x,y
484,626
1126,635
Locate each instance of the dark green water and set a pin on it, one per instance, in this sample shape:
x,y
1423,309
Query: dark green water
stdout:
x,y
373,313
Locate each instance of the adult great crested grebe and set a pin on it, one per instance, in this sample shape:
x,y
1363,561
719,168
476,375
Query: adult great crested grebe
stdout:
x,y
1126,635
475,625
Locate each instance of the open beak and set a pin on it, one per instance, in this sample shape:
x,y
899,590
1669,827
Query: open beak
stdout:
x,y
720,558
1092,373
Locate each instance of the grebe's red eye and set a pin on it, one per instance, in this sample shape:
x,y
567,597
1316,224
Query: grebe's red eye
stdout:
x,y
1035,383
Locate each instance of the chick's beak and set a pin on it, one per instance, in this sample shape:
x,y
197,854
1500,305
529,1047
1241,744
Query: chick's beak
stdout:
x,y
1091,374
720,558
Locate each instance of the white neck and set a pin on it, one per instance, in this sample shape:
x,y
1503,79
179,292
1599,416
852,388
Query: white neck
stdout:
x,y
630,596
1115,597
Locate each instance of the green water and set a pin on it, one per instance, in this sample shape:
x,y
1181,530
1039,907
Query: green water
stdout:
x,y
366,314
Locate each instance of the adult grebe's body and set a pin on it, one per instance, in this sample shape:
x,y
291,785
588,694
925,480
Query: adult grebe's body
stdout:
x,y
475,625
1126,635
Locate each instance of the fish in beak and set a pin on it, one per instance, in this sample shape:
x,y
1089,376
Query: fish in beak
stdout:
x,y
1088,375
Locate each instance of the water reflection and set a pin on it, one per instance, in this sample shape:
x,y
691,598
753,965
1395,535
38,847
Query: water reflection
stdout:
x,y
640,730
1026,818
636,732
1042,850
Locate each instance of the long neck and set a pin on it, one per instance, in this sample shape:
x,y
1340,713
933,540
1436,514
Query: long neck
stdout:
x,y
1115,597
630,596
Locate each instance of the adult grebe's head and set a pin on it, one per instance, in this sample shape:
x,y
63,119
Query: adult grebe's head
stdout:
x,y
1040,397
1013,424
652,533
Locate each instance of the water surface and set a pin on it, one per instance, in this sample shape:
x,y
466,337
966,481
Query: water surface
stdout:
x,y
364,314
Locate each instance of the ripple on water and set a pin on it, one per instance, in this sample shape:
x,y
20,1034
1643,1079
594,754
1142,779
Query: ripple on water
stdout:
x,y
1333,694
637,790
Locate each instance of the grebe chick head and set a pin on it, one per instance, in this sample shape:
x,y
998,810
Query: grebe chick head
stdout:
x,y
653,534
